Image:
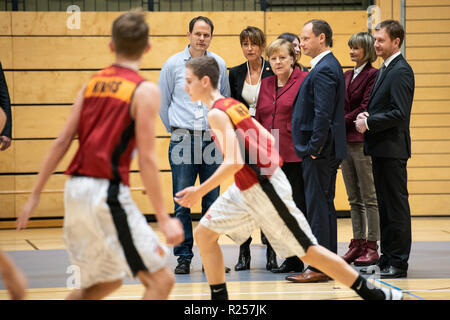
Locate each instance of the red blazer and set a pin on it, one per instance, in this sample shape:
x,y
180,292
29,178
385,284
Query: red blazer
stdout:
x,y
356,98
274,111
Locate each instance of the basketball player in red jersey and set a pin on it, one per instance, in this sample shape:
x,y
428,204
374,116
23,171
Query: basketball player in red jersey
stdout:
x,y
106,235
261,196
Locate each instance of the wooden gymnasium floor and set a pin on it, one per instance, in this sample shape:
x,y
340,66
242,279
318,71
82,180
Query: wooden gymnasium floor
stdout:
x,y
41,254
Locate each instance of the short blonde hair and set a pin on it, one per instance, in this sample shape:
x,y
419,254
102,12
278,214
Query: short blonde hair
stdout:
x,y
365,41
277,44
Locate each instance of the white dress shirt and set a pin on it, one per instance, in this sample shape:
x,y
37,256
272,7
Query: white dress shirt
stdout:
x,y
316,59
358,70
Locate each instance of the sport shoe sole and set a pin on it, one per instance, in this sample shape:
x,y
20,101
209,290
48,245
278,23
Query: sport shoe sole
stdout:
x,y
392,294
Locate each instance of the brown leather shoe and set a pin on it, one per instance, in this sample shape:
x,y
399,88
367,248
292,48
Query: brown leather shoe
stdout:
x,y
308,276
356,249
370,255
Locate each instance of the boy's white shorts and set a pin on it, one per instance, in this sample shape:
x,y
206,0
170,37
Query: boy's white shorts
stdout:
x,y
237,213
106,235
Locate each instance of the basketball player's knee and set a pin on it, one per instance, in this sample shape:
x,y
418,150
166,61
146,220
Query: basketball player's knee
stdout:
x,y
200,234
205,237
163,279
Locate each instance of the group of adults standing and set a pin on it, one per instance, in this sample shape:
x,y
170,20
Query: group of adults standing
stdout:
x,y
320,119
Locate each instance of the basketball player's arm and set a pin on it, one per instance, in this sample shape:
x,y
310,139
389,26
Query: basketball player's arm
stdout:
x,y
264,130
144,110
51,161
232,160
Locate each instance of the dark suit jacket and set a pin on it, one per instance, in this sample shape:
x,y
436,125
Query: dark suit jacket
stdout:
x,y
274,111
356,98
318,115
5,104
389,111
237,77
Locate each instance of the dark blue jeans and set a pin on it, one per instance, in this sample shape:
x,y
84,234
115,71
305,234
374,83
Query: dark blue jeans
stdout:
x,y
191,155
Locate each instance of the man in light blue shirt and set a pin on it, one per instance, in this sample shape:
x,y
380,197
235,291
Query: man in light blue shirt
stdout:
x,y
192,152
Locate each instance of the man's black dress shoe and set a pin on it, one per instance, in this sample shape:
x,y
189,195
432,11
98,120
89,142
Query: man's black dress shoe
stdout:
x,y
183,267
291,264
393,272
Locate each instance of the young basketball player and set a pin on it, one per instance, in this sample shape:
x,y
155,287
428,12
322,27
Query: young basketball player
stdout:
x,y
260,197
13,278
105,233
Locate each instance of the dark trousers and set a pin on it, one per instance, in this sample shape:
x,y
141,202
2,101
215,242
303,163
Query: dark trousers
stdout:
x,y
390,178
294,174
319,176
191,156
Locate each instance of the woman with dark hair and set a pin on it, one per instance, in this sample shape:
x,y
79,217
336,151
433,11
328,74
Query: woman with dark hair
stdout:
x,y
245,81
274,112
295,40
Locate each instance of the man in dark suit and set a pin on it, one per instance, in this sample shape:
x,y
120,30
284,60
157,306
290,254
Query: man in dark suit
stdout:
x,y
5,104
318,132
387,139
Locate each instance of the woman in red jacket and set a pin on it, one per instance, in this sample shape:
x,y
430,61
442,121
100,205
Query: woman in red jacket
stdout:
x,y
357,168
274,112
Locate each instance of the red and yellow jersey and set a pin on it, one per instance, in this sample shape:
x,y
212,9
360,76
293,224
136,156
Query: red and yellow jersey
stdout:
x,y
259,153
106,129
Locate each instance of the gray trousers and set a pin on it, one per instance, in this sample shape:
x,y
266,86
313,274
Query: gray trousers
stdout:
x,y
358,179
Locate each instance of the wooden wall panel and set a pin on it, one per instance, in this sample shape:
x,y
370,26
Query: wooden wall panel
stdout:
x,y
341,198
99,23
7,184
428,187
93,52
430,204
430,133
430,93
427,49
9,77
425,53
6,52
430,120
425,26
47,121
426,106
433,80
429,160
426,40
428,13
426,4
29,155
436,66
342,22
5,23
7,159
432,146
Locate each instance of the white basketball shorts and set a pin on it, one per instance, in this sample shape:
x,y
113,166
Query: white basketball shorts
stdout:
x,y
106,235
237,213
